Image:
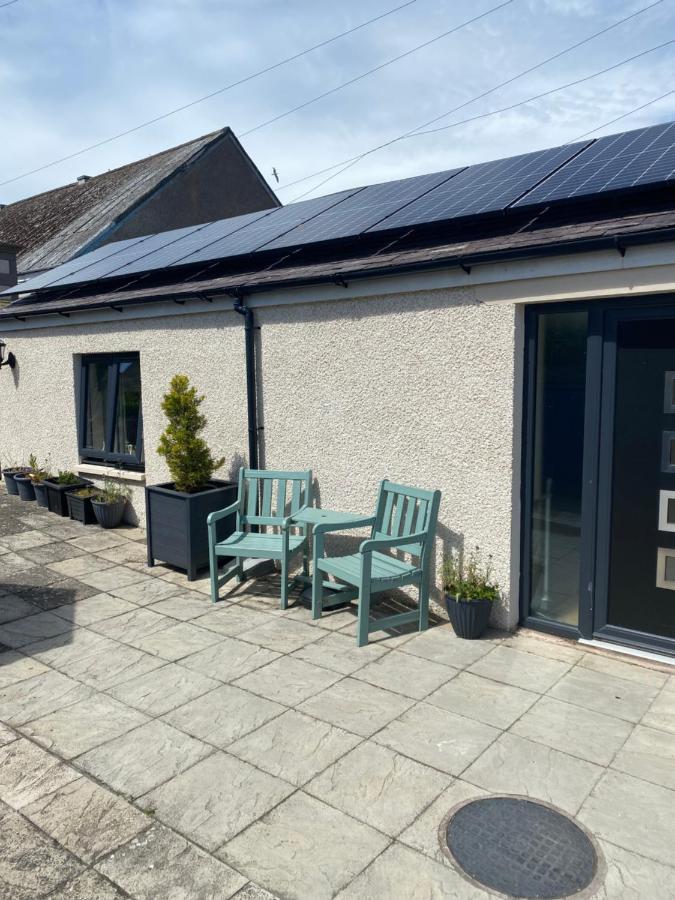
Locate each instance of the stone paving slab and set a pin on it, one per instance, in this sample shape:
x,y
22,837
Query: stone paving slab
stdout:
x,y
378,787
278,759
81,726
86,819
30,864
216,799
160,865
299,859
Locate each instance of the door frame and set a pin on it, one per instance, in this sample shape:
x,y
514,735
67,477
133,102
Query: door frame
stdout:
x,y
603,319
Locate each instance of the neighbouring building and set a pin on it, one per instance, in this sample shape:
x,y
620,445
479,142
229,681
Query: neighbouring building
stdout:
x,y
504,332
211,177
7,266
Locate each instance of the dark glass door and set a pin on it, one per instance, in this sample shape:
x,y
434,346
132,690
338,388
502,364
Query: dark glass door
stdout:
x,y
640,593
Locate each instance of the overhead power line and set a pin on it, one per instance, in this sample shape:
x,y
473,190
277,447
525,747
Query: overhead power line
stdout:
x,y
623,116
221,90
383,65
345,164
11,3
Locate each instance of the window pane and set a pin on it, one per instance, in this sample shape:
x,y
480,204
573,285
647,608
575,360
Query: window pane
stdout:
x,y
128,407
558,459
97,396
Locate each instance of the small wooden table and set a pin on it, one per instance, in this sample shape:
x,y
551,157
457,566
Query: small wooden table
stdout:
x,y
340,594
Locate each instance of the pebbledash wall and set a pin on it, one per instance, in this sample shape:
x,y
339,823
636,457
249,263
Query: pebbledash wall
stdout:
x,y
414,378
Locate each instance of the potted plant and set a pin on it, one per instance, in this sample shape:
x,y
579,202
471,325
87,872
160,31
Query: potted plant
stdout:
x,y
176,511
109,504
80,505
469,593
38,475
58,487
8,474
23,480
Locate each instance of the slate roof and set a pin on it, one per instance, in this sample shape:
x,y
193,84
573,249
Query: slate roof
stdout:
x,y
51,227
544,235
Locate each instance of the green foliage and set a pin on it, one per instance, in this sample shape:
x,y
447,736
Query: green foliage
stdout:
x,y
470,581
112,492
38,473
86,492
188,457
65,477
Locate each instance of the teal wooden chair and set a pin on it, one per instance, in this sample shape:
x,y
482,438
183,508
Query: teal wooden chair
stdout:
x,y
404,522
266,502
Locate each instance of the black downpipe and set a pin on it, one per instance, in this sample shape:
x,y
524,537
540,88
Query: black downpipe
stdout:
x,y
249,337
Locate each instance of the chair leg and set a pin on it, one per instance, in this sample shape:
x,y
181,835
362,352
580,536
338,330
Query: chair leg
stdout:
x,y
284,582
424,605
240,570
364,614
213,566
317,579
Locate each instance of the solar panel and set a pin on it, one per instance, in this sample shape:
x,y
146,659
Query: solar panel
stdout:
x,y
125,257
46,279
362,210
632,159
486,187
260,233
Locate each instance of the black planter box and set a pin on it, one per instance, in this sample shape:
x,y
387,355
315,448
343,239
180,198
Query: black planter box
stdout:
x,y
80,508
469,617
176,523
56,495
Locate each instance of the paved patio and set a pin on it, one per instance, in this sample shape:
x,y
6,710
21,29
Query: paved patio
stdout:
x,y
154,747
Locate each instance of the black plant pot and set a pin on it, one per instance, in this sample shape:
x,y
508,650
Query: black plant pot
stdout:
x,y
80,508
469,617
56,495
176,523
24,486
40,489
11,485
109,515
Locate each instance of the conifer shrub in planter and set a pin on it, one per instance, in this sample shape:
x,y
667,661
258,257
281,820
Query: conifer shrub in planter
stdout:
x,y
469,593
109,504
58,487
79,505
176,511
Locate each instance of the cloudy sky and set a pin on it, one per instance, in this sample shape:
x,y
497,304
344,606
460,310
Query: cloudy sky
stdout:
x,y
74,73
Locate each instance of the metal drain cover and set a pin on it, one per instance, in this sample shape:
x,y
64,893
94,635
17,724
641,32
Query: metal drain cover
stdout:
x,y
520,848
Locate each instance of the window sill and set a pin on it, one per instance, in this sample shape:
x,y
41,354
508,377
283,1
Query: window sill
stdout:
x,y
111,472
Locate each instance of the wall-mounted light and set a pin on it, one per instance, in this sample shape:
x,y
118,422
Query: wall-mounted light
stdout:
x,y
10,360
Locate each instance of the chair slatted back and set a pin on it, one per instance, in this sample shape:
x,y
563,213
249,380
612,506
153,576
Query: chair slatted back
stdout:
x,y
266,497
403,510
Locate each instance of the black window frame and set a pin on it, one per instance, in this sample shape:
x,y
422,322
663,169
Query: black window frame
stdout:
x,y
88,454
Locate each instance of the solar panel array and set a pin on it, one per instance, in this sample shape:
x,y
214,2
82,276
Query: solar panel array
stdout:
x,y
362,210
632,159
487,187
615,162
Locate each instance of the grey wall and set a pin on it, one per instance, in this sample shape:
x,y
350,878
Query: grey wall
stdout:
x,y
220,183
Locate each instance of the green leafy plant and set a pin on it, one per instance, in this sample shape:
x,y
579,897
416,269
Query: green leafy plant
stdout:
x,y
38,473
66,477
111,492
471,580
188,457
86,492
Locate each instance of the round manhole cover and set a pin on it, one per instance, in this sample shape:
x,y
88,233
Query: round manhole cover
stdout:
x,y
520,848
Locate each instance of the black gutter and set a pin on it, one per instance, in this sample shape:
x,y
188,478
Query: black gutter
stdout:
x,y
559,248
252,411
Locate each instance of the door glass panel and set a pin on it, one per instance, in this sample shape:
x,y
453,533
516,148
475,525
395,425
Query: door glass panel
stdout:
x,y
555,529
128,407
97,399
642,533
